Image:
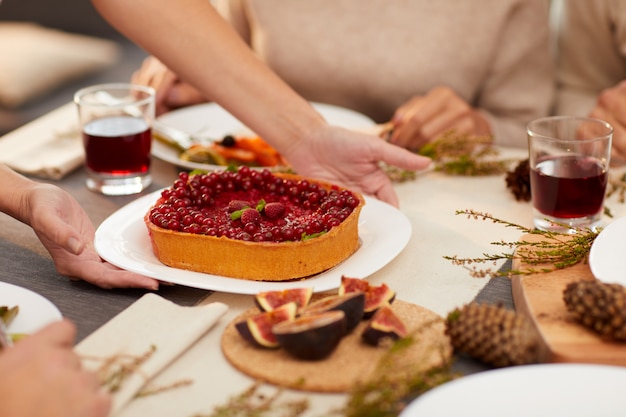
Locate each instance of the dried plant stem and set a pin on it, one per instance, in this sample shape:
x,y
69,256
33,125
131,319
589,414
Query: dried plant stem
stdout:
x,y
253,403
116,369
160,389
617,185
554,251
462,154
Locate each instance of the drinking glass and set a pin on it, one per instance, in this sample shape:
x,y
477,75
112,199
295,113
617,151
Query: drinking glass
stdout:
x,y
569,167
116,124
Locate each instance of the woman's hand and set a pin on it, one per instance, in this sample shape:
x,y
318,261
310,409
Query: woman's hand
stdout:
x,y
171,92
352,158
67,233
425,118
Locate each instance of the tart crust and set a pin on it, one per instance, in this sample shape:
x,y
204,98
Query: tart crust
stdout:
x,y
258,261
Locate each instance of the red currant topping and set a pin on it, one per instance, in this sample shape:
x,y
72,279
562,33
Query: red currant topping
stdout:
x,y
253,205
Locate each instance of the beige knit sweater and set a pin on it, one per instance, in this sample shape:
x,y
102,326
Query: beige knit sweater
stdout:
x,y
591,51
373,55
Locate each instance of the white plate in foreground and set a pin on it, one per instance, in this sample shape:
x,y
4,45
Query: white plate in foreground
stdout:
x,y
608,251
212,122
122,239
573,390
35,311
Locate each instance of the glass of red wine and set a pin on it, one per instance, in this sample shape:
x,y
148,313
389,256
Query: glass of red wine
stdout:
x,y
569,167
116,124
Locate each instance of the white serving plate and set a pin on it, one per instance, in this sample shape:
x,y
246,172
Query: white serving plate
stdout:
x,y
122,239
547,390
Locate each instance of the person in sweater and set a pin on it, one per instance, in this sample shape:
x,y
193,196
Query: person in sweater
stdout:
x,y
428,67
591,64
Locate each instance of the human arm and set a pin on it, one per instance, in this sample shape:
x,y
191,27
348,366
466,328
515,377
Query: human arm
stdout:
x,y
208,53
64,229
42,376
591,65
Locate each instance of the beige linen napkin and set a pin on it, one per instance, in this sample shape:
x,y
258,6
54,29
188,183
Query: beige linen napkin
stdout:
x,y
48,147
152,328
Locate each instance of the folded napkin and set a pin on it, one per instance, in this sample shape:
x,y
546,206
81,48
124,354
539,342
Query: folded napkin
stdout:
x,y
146,337
48,147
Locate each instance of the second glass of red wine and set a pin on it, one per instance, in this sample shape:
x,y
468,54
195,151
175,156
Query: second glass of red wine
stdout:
x,y
116,123
569,167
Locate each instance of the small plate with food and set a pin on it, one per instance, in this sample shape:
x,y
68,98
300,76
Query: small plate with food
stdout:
x,y
207,137
25,311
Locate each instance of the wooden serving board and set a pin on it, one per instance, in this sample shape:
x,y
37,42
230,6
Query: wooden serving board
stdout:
x,y
540,298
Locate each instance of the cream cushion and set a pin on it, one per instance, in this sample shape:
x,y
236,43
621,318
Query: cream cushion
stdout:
x,y
34,60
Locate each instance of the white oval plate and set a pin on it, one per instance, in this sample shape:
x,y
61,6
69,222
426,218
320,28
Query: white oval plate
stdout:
x,y
608,252
35,311
122,239
211,122
573,390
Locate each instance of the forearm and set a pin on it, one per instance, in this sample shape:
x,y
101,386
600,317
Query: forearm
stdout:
x,y
14,189
196,43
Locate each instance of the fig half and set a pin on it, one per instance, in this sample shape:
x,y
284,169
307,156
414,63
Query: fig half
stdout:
x,y
352,305
384,324
269,300
311,337
258,328
375,295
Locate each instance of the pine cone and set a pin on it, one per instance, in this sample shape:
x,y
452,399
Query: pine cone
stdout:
x,y
494,335
599,306
518,181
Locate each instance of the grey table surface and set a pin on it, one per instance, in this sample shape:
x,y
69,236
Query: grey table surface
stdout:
x,y
26,263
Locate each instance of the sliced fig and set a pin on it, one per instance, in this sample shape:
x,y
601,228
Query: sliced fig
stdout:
x,y
353,285
384,324
258,328
269,300
352,305
311,337
375,295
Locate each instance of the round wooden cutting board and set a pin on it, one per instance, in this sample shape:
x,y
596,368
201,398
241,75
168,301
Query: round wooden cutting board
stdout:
x,y
540,298
351,362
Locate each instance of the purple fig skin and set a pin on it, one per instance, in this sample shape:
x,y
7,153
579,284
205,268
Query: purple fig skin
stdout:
x,y
258,329
385,324
312,337
243,328
373,336
352,305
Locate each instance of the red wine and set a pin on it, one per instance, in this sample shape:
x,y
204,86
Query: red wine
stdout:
x,y
117,145
568,187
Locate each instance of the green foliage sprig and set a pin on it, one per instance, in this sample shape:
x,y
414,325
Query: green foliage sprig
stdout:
x,y
458,154
400,376
463,154
554,251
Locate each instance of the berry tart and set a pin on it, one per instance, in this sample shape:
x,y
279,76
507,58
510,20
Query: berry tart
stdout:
x,y
254,224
